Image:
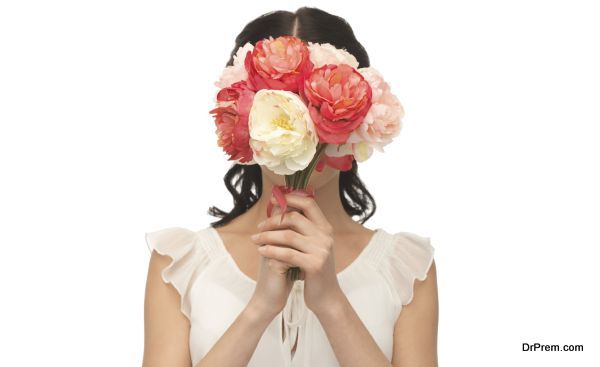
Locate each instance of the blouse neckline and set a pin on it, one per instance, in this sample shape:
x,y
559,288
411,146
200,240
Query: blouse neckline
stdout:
x,y
218,240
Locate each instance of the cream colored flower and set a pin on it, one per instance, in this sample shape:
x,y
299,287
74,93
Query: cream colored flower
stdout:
x,y
325,53
361,150
237,71
282,134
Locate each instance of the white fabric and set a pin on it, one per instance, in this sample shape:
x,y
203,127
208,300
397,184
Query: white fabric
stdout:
x,y
214,291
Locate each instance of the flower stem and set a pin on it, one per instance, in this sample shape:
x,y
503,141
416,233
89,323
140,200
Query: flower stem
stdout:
x,y
299,180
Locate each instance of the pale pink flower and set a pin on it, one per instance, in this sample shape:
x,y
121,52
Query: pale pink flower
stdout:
x,y
325,53
382,122
237,71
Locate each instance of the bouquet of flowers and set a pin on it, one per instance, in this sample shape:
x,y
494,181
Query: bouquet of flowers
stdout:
x,y
294,107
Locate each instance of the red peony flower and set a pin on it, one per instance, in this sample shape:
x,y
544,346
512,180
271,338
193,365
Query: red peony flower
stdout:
x,y
281,63
338,99
231,120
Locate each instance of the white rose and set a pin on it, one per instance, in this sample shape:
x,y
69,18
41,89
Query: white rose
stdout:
x,y
325,53
282,134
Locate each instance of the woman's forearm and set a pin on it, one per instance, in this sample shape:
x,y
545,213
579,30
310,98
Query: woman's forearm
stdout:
x,y
237,344
350,340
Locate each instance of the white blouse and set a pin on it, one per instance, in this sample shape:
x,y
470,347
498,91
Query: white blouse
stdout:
x,y
214,291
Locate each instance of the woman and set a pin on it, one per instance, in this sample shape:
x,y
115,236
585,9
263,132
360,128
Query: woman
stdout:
x,y
220,296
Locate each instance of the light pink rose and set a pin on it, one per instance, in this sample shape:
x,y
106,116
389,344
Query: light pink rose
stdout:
x,y
382,122
237,71
325,53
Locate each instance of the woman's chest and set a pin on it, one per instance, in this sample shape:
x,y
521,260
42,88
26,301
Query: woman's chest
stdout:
x,y
220,295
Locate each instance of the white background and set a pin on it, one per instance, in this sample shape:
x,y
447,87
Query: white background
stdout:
x,y
105,135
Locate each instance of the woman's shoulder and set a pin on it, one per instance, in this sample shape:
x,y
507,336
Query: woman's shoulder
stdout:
x,y
177,241
185,253
403,257
407,242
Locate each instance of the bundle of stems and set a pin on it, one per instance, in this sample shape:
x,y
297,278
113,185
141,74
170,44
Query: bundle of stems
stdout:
x,y
299,180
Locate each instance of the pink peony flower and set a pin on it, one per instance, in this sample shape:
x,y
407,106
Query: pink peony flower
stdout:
x,y
382,122
325,53
280,64
231,120
237,71
338,99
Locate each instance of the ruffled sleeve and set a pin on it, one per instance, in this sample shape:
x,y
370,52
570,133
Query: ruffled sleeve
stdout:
x,y
407,257
188,256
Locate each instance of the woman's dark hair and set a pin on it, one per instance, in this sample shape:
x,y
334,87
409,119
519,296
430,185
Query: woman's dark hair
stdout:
x,y
244,181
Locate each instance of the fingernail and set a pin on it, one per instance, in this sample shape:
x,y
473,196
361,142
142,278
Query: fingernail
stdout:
x,y
254,236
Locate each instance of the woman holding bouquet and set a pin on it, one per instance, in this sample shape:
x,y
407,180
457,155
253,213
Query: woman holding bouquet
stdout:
x,y
290,276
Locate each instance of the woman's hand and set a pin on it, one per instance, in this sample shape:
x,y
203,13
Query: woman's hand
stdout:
x,y
272,286
304,239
